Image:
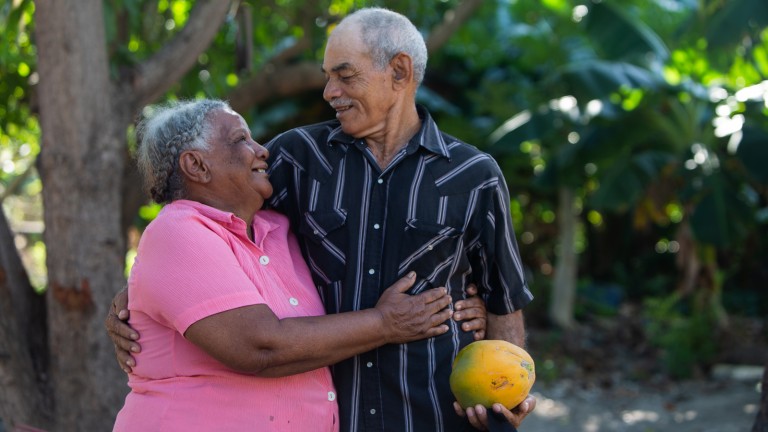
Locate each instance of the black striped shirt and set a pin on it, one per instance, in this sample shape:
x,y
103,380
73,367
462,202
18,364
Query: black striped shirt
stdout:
x,y
441,208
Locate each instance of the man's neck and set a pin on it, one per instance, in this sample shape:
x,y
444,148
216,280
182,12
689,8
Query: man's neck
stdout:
x,y
395,137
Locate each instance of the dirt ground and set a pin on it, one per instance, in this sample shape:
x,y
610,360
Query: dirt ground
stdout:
x,y
723,405
605,377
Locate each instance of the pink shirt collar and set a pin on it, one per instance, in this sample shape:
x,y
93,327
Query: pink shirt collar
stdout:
x,y
228,220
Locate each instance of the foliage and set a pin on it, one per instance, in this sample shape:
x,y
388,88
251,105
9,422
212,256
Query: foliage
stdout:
x,y
640,106
685,336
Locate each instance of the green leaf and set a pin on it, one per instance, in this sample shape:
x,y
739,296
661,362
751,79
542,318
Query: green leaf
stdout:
x,y
753,152
621,35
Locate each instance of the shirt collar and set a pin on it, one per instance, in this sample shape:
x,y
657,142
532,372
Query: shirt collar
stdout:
x,y
428,137
228,220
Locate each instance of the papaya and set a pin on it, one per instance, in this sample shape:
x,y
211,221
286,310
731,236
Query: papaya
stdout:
x,y
492,371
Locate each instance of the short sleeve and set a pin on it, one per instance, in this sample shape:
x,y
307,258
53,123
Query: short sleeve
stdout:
x,y
185,271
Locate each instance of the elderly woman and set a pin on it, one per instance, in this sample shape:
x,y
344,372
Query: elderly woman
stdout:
x,y
233,332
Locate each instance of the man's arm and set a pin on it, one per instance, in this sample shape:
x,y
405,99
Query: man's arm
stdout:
x,y
509,327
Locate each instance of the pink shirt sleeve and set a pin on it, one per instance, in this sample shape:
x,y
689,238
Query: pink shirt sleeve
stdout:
x,y
188,272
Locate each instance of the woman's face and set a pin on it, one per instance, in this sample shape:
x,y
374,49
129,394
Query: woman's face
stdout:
x,y
238,163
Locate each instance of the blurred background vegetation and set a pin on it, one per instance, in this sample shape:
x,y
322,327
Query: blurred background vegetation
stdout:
x,y
633,135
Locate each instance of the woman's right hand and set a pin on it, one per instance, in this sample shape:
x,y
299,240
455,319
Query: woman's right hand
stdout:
x,y
408,317
122,335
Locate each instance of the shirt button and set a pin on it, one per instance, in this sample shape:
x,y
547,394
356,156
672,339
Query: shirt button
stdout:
x,y
380,181
331,396
315,232
369,364
264,260
429,247
376,226
293,301
371,271
373,411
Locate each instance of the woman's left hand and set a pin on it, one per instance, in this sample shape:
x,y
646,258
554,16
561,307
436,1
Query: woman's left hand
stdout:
x,y
472,311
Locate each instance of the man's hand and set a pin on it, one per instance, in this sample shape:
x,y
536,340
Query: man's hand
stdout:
x,y
472,311
478,415
122,335
408,318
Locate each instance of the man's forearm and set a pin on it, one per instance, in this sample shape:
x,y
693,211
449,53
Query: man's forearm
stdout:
x,y
509,327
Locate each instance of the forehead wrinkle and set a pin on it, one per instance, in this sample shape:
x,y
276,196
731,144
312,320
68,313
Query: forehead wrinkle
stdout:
x,y
340,67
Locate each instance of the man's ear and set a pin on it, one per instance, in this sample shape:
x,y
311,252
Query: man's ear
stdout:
x,y
402,70
194,166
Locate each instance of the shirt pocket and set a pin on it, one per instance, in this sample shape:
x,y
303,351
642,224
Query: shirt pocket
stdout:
x,y
432,251
325,236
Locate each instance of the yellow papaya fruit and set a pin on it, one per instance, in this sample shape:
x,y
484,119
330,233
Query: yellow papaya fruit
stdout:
x,y
492,371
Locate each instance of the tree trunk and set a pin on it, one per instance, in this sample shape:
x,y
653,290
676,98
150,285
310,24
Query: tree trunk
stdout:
x,y
761,420
23,356
81,166
564,282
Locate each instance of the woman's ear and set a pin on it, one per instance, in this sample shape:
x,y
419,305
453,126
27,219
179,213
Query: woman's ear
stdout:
x,y
402,70
194,166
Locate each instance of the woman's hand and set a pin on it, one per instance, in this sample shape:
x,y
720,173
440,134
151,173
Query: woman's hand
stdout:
x,y
408,317
122,335
472,311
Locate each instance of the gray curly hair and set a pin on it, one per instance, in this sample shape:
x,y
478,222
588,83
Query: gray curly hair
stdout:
x,y
163,133
387,33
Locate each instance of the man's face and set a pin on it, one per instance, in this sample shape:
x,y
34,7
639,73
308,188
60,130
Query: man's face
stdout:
x,y
361,94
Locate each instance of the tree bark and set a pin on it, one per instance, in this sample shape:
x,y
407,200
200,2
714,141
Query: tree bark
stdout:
x,y
83,118
81,160
564,281
23,356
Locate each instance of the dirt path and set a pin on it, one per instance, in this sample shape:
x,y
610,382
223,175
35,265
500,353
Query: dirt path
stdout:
x,y
714,406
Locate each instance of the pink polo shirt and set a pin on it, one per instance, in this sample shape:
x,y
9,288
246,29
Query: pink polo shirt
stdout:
x,y
194,261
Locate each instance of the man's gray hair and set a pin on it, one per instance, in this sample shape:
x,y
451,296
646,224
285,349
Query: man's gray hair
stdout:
x,y
387,33
163,133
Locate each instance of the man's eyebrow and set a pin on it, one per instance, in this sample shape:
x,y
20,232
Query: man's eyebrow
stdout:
x,y
338,67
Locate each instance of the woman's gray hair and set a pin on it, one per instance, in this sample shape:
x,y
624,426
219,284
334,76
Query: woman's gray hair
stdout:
x,y
163,133
387,33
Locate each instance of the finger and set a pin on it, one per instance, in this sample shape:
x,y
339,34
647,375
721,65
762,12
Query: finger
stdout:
x,y
436,331
511,417
405,283
459,410
479,335
475,415
439,318
440,306
435,294
119,329
125,360
469,313
471,290
476,324
525,407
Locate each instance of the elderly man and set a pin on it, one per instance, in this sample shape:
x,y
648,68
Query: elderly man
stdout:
x,y
380,191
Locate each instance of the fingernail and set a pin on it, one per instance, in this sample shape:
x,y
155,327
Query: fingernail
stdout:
x,y
134,336
126,370
135,349
411,275
130,363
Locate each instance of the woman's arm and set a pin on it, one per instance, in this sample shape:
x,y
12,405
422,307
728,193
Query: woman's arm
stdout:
x,y
252,339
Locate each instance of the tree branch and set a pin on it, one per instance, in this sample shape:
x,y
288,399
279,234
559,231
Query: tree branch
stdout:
x,y
154,76
452,20
279,79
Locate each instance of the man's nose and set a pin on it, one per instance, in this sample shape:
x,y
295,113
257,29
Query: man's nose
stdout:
x,y
331,91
